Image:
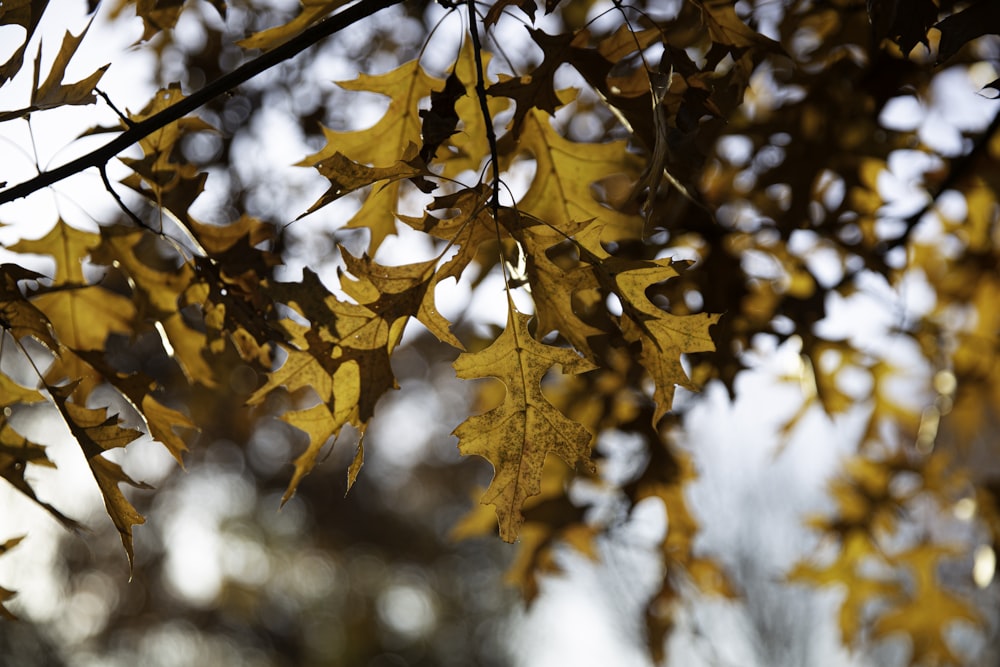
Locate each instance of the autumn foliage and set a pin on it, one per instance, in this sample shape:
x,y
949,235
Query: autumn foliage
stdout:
x,y
679,190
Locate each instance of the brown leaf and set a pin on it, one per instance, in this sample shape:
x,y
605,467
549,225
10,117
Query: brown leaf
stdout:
x,y
97,432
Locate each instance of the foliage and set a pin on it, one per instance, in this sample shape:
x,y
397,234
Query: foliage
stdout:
x,y
698,143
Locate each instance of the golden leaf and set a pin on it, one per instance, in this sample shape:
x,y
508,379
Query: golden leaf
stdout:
x,y
517,435
312,12
383,143
52,92
664,337
561,192
930,609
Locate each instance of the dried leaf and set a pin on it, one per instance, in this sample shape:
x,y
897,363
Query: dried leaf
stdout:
x,y
517,435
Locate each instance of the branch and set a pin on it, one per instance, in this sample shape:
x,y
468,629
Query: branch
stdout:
x,y
491,137
245,72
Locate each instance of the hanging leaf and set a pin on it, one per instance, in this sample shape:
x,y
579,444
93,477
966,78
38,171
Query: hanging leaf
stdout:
x,y
517,435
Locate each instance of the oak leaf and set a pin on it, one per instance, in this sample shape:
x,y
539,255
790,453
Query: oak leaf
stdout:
x,y
664,337
97,432
537,89
27,15
517,435
343,356
561,192
312,11
16,454
382,144
52,92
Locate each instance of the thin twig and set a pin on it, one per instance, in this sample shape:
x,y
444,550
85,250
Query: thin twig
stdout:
x,y
107,100
247,71
125,209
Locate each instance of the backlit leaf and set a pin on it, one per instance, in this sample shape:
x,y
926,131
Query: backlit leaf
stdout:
x,y
517,435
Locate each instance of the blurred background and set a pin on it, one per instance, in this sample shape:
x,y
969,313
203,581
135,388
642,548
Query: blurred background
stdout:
x,y
377,578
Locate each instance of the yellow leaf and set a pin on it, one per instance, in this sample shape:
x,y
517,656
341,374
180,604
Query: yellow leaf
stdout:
x,y
16,454
312,12
930,610
19,316
68,245
71,313
52,92
664,337
384,142
469,226
401,292
560,193
359,460
6,594
162,422
469,145
517,435
346,175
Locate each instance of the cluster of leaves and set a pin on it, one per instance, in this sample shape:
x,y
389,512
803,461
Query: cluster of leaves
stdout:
x,y
599,223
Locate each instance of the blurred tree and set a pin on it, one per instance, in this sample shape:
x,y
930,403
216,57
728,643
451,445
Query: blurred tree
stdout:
x,y
658,189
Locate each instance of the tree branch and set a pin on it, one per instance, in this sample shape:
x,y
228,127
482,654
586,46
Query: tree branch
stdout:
x,y
245,72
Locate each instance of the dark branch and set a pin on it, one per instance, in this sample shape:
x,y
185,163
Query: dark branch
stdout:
x,y
223,84
491,137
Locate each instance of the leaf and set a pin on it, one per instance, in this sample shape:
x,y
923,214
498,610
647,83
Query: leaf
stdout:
x,y
160,15
930,609
27,15
321,424
383,143
958,29
536,90
517,435
469,147
6,594
561,192
344,355
52,92
725,27
664,337
470,226
848,571
312,12
67,245
158,169
355,468
18,315
527,6
162,423
398,292
16,454
346,176
440,121
96,432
